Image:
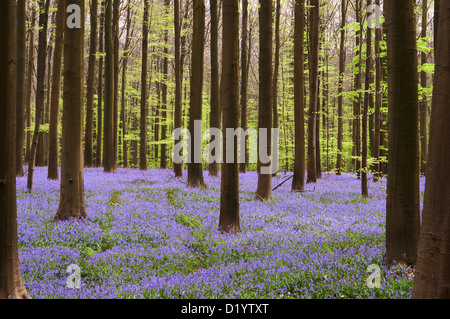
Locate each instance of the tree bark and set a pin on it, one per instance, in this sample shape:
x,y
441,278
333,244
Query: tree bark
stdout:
x,y
53,164
11,284
244,81
340,110
98,152
143,121
402,203
229,195
177,167
423,104
378,103
165,63
432,278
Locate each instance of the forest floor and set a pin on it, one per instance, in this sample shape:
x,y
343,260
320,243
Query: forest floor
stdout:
x,y
149,236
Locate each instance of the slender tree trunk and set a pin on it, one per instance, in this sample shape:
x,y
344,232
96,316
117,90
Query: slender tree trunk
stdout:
x,y
314,33
276,65
298,182
72,198
98,153
88,148
115,36
53,172
143,121
11,285
367,96
30,83
108,134
378,103
244,81
264,187
423,103
177,167
340,110
40,90
165,72
215,114
229,221
21,62
432,278
402,202
195,167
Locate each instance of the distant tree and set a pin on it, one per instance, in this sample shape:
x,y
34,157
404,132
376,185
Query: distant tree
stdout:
x,y
100,100
229,195
264,187
402,202
423,104
143,121
298,182
432,278
244,80
11,284
72,197
165,74
195,170
378,103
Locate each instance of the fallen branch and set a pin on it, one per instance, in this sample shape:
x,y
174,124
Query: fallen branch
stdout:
x,y
283,182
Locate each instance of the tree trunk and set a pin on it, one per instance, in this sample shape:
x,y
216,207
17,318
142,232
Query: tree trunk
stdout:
x,y
423,103
115,35
143,121
378,103
53,172
313,88
402,203
340,110
276,65
72,198
40,89
195,167
432,278
215,114
21,61
264,187
98,153
229,195
244,81
165,73
11,285
108,134
177,167
88,148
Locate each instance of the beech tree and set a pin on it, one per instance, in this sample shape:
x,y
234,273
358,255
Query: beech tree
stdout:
x,y
143,121
432,278
11,285
72,196
177,167
244,80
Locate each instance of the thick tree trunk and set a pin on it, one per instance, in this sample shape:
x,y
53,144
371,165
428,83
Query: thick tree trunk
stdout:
x,y
21,62
177,167
402,203
40,90
215,114
229,195
11,285
53,172
432,278
264,187
88,147
143,121
244,81
195,170
72,198
298,182
314,33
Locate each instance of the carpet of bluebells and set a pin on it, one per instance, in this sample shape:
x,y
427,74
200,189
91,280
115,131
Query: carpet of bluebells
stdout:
x,y
149,236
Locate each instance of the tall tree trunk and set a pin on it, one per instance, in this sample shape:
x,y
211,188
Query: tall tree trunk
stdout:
x,y
298,182
229,221
402,203
88,147
11,285
98,152
378,103
215,113
244,81
195,167
432,278
165,72
367,96
177,167
30,83
72,198
314,33
340,110
143,121
40,90
264,187
123,115
21,62
53,151
276,65
115,35
108,134
423,103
